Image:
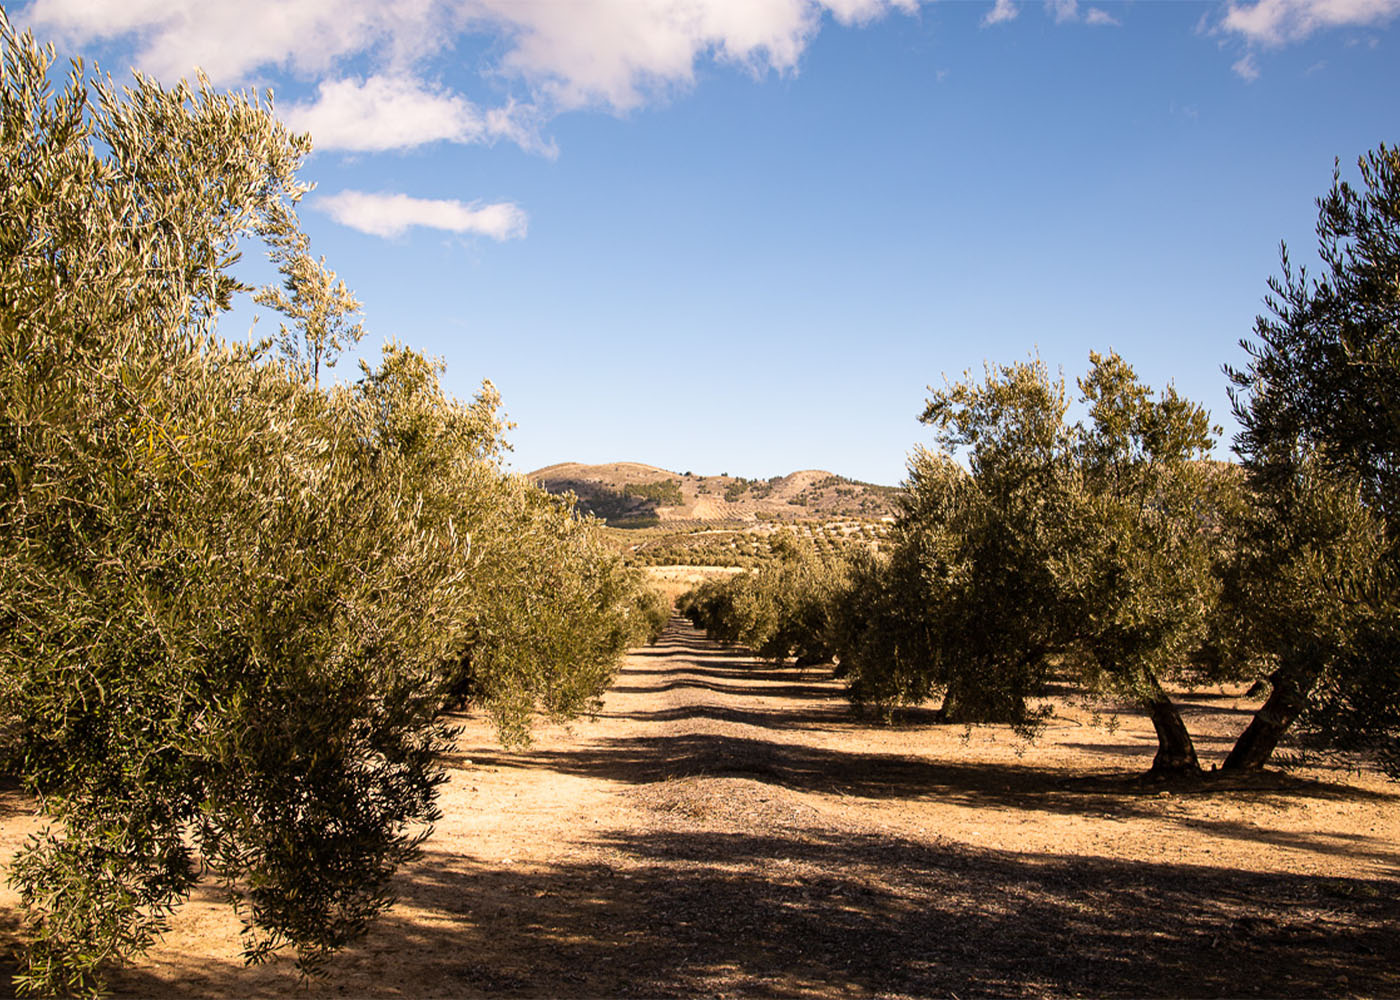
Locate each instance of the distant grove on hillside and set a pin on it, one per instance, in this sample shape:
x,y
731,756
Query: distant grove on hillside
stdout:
x,y
749,546
634,495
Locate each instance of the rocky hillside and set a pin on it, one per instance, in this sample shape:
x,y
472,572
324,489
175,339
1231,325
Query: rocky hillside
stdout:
x,y
632,494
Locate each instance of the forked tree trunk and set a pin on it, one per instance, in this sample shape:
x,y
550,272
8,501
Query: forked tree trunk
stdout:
x,y
1257,743
1176,753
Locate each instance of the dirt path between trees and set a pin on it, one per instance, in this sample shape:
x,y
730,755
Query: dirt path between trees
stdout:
x,y
727,829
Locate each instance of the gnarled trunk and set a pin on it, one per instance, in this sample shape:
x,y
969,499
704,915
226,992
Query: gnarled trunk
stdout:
x,y
1257,743
1176,753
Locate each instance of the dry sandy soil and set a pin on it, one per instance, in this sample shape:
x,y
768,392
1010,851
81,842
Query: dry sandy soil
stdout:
x,y
724,829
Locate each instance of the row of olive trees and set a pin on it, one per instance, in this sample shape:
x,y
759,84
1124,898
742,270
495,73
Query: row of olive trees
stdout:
x,y
236,599
779,610
1114,552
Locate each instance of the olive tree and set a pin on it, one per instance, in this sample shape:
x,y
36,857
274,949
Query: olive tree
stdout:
x,y
236,600
1085,547
1323,374
223,625
319,305
1147,545
1317,589
780,610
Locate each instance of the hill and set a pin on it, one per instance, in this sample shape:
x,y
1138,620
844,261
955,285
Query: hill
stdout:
x,y
631,494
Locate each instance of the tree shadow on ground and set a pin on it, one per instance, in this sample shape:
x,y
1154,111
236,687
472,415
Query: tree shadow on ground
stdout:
x,y
651,758
707,666
645,759
836,717
1026,787
12,943
801,691
14,802
712,906
724,653
1145,749
9,967
794,913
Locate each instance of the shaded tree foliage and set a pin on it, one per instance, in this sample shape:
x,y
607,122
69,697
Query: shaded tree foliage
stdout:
x,y
1319,407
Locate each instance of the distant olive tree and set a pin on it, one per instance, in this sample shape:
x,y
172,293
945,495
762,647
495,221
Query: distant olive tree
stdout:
x,y
780,610
318,304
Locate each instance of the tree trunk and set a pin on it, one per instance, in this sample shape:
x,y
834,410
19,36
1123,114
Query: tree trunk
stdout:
x,y
1176,754
1256,744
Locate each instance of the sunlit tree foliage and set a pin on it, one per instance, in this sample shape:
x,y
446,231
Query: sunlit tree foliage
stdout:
x,y
236,600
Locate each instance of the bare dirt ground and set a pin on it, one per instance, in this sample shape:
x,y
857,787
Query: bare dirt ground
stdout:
x,y
726,829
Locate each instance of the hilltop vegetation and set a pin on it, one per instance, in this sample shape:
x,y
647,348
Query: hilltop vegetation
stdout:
x,y
632,495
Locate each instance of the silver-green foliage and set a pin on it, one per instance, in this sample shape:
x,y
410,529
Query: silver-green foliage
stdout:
x,y
1319,407
779,610
235,602
652,611
1086,547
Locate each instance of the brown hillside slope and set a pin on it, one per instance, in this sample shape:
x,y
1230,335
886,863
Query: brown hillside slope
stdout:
x,y
623,492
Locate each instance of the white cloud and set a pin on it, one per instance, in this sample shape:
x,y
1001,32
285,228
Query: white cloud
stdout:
x,y
1100,18
398,112
1002,10
865,11
1068,12
1276,22
231,41
614,54
392,215
619,54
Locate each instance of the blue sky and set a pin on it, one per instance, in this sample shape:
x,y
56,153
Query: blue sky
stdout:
x,y
744,235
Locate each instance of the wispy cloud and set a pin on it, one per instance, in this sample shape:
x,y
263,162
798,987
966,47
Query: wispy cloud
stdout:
x,y
1247,67
1278,22
392,215
1068,12
231,41
1002,11
549,56
399,112
1266,24
620,54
